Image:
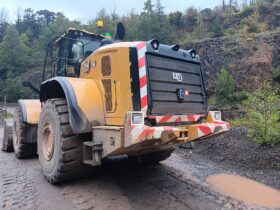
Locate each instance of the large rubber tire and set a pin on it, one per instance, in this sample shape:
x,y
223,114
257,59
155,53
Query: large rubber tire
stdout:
x,y
62,159
21,131
152,158
7,144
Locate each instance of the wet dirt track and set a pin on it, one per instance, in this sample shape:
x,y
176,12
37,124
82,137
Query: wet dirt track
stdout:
x,y
174,184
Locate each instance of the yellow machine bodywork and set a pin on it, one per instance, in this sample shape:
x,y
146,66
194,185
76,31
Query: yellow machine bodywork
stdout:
x,y
119,88
91,92
89,99
100,102
103,96
90,102
31,110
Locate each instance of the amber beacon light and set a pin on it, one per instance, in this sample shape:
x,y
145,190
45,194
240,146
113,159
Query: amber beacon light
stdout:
x,y
100,24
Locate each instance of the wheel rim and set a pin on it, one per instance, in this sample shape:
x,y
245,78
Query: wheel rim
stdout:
x,y
48,141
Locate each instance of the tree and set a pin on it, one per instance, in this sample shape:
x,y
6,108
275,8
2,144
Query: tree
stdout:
x,y
132,22
45,17
154,23
148,7
190,19
28,22
230,7
252,24
217,27
226,94
14,52
176,19
55,28
114,16
147,21
261,115
162,29
14,90
3,22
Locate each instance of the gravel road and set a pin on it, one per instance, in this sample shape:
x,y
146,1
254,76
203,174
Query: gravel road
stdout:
x,y
177,183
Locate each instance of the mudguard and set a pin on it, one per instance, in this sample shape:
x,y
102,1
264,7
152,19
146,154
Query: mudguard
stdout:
x,y
83,97
30,111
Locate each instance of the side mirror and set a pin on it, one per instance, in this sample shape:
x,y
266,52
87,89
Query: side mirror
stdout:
x,y
32,87
120,32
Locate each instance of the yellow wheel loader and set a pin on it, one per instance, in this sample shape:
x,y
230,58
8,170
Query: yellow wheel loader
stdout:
x,y
102,97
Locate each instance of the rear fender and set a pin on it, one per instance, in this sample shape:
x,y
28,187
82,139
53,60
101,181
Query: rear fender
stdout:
x,y
30,111
84,101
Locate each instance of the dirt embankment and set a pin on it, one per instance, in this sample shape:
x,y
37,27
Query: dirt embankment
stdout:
x,y
249,58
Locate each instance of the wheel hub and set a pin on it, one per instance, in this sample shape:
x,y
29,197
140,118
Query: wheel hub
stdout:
x,y
48,141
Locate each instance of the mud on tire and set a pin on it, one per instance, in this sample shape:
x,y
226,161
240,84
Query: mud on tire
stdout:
x,y
60,151
152,158
21,133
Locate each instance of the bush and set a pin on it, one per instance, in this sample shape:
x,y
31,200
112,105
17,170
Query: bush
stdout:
x,y
14,90
253,24
261,115
276,74
225,91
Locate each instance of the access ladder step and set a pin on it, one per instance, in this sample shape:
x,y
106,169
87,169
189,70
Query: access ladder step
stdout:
x,y
92,153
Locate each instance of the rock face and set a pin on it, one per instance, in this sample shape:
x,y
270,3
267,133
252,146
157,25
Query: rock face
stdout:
x,y
249,59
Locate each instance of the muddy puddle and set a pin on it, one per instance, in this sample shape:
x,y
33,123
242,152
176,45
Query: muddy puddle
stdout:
x,y
246,190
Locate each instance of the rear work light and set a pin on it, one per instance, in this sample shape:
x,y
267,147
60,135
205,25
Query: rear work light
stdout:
x,y
154,44
137,118
193,54
217,116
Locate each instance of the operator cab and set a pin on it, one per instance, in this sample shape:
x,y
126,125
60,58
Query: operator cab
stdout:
x,y
66,52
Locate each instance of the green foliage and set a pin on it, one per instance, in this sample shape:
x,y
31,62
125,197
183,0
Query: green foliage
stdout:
x,y
225,91
109,23
176,19
23,43
248,10
155,23
276,78
224,88
14,90
190,19
217,27
252,24
276,74
133,21
14,52
261,115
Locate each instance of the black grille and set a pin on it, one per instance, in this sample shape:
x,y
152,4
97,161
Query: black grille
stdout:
x,y
163,86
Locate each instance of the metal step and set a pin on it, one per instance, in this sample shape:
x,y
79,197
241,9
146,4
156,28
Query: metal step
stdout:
x,y
92,153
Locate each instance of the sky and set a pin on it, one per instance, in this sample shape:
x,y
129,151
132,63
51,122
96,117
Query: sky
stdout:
x,y
84,10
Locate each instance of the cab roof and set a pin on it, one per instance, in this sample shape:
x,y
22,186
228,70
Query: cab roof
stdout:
x,y
74,33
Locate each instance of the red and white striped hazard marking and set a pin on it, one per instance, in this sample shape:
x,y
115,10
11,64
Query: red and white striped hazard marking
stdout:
x,y
141,48
137,133
143,132
176,118
213,127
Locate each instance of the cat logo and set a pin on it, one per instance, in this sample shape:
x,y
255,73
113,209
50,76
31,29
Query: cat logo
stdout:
x,y
177,76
